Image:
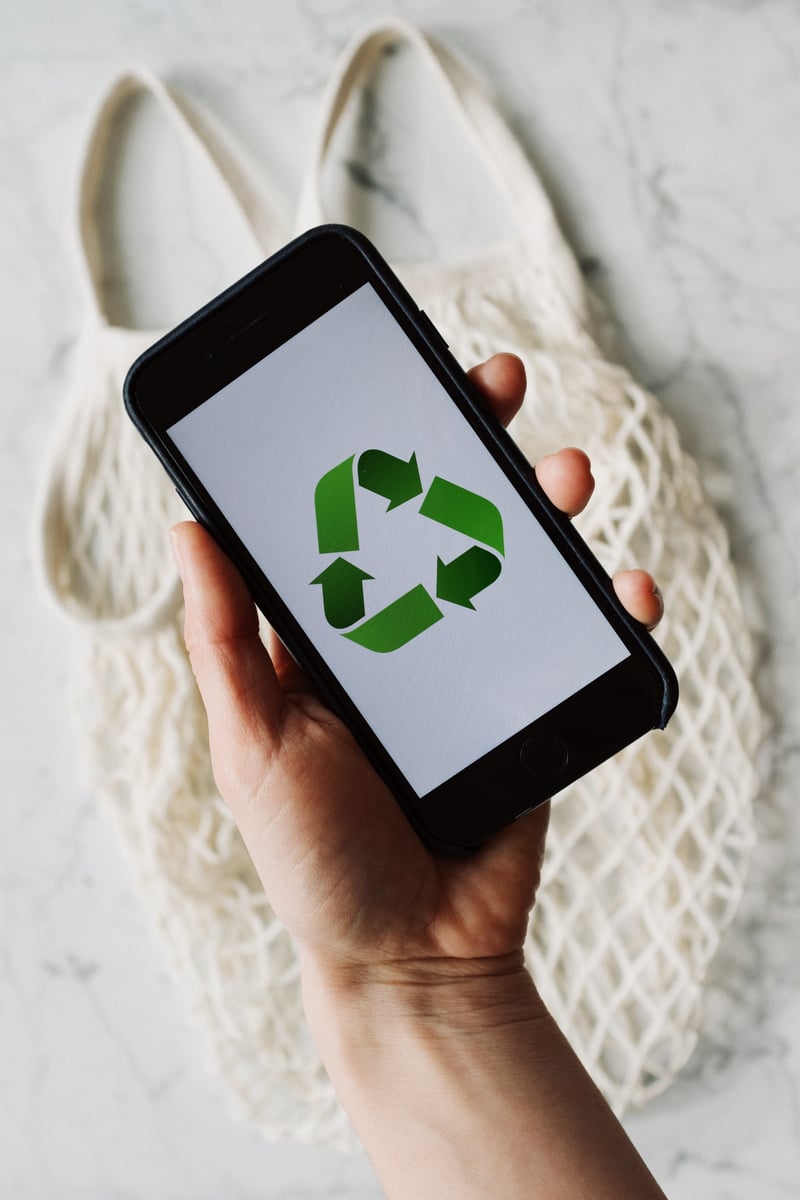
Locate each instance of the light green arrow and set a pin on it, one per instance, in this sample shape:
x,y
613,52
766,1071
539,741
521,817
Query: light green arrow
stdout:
x,y
393,478
335,508
398,622
458,581
342,592
464,511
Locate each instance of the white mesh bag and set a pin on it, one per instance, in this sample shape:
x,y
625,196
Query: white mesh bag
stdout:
x,y
646,856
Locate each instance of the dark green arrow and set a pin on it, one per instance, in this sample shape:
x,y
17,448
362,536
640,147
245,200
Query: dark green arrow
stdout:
x,y
342,592
335,508
398,623
465,512
393,478
458,581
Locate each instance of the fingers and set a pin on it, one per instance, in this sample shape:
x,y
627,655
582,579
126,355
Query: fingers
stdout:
x,y
566,478
639,593
240,690
501,380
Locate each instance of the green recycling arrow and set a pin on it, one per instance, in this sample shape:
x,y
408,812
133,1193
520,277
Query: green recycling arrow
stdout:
x,y
398,622
458,581
393,478
342,592
464,511
335,509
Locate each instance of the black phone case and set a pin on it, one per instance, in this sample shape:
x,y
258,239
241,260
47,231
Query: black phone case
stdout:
x,y
566,538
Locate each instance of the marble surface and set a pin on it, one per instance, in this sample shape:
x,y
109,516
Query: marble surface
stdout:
x,y
667,134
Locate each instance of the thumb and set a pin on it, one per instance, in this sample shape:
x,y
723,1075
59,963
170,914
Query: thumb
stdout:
x,y
235,675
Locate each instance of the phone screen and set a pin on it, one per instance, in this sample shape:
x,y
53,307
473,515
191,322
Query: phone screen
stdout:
x,y
395,539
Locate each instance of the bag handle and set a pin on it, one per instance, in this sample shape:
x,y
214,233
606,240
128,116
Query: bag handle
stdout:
x,y
204,136
498,148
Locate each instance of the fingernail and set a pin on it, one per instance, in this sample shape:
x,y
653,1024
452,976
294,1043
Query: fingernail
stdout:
x,y
175,547
660,599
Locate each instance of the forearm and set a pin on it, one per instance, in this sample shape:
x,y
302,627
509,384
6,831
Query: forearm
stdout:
x,y
459,1083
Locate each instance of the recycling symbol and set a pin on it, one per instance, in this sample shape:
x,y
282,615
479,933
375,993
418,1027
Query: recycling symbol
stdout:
x,y
457,582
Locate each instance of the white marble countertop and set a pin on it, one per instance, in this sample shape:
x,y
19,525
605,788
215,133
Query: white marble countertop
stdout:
x,y
667,134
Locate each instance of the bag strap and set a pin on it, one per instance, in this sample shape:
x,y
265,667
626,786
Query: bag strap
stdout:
x,y
496,145
204,136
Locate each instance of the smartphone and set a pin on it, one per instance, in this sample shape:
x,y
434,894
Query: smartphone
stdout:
x,y
314,421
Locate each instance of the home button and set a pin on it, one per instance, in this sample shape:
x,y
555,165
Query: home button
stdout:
x,y
545,755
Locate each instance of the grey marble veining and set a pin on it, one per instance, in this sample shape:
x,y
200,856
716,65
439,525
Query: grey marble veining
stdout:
x,y
667,135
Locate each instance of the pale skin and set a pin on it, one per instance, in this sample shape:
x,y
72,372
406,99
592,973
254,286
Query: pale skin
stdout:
x,y
455,1076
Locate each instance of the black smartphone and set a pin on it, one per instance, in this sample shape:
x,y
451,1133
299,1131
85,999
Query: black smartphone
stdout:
x,y
314,421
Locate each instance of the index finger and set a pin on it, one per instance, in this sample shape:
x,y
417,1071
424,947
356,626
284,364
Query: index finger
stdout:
x,y
501,380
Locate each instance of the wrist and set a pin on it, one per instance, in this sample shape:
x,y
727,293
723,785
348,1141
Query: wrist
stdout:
x,y
431,997
458,1081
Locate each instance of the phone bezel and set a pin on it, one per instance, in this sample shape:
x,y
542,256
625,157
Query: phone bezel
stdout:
x,y
242,326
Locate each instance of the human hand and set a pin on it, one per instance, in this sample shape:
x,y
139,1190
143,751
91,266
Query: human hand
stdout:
x,y
341,865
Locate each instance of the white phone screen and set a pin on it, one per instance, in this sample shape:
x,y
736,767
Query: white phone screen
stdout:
x,y
396,541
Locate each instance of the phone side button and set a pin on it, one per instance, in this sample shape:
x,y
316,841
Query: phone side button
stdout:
x,y
545,755
432,330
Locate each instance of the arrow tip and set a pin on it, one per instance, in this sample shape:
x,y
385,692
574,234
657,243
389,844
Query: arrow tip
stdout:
x,y
341,568
451,588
